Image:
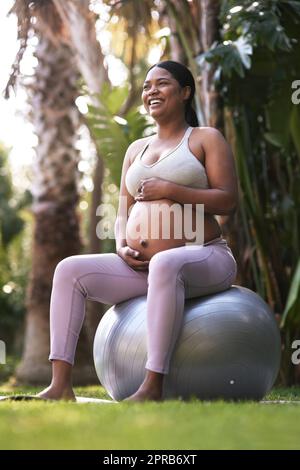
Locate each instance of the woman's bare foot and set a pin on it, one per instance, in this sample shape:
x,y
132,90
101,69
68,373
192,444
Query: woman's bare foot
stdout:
x,y
61,384
145,395
150,390
52,393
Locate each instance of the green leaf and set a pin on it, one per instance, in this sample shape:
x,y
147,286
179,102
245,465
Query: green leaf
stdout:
x,y
275,139
293,4
295,127
245,50
278,132
231,56
113,134
292,309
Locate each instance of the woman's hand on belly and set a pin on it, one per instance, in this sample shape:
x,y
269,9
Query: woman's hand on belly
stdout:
x,y
130,256
151,189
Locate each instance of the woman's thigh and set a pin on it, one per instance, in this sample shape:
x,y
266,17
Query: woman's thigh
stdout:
x,y
203,269
102,277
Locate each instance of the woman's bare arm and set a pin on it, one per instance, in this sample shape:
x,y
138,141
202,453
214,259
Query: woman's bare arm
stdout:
x,y
126,200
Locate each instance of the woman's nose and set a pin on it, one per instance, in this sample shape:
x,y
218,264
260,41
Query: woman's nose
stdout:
x,y
152,90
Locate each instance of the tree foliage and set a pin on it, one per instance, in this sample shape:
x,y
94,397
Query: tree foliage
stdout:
x,y
257,64
112,132
13,260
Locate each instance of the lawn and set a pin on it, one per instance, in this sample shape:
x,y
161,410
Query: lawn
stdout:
x,y
167,425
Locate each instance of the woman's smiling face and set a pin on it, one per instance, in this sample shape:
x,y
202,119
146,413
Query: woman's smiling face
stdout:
x,y
162,95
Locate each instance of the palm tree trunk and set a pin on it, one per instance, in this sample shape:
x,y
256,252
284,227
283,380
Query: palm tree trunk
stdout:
x,y
80,23
212,106
209,32
56,234
176,48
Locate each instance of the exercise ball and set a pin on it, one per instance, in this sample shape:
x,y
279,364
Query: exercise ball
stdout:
x,y
229,348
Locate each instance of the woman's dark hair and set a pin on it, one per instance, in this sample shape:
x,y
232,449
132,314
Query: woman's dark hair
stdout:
x,y
184,77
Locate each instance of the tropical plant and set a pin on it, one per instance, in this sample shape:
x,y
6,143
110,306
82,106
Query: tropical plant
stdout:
x,y
112,132
13,256
52,93
256,64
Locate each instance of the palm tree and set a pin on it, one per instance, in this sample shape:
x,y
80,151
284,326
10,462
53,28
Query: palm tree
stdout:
x,y
79,22
52,92
209,33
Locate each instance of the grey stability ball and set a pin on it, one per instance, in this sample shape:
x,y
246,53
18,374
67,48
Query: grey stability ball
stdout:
x,y
229,348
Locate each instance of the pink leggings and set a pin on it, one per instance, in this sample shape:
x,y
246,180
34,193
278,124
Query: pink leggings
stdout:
x,y
172,276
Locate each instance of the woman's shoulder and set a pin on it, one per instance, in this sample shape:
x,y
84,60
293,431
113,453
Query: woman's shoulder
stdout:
x,y
207,136
205,139
207,131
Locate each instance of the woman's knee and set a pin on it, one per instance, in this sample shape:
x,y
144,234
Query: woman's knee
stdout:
x,y
67,268
162,267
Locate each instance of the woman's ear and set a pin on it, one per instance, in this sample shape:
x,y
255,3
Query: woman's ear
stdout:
x,y
186,92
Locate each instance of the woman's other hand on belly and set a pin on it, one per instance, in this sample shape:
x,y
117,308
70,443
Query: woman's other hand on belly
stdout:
x,y
151,189
130,256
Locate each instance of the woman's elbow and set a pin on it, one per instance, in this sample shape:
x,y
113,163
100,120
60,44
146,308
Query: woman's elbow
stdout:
x,y
230,206
232,210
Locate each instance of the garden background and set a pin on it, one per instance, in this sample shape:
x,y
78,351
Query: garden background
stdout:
x,y
72,73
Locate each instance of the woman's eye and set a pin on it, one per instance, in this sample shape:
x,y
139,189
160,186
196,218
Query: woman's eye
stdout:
x,y
146,87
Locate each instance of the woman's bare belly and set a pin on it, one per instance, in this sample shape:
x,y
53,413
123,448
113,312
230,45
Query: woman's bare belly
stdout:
x,y
152,228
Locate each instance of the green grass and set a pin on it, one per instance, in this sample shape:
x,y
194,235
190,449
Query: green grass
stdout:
x,y
167,425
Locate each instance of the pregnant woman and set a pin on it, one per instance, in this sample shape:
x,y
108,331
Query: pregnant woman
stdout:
x,y
182,165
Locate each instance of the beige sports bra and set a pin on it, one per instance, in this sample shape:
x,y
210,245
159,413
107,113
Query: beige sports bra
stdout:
x,y
178,166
